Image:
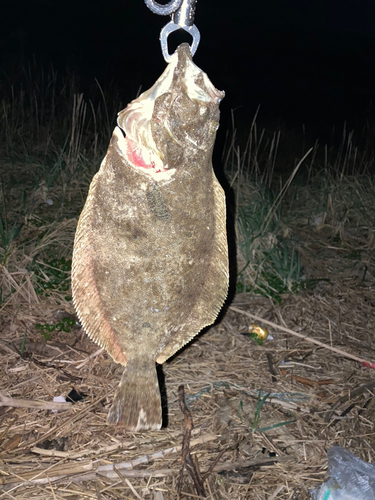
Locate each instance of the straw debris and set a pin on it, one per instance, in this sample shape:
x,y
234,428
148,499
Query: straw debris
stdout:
x,y
264,415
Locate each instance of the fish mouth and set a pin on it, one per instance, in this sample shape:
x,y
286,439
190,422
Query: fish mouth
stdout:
x,y
142,159
143,148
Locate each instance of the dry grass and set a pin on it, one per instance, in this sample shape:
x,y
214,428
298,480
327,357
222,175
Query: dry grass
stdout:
x,y
74,454
320,397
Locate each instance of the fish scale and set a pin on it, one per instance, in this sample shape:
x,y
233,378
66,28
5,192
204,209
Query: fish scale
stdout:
x,y
150,258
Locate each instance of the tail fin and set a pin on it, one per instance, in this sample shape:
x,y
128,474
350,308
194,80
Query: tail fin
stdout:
x,y
137,404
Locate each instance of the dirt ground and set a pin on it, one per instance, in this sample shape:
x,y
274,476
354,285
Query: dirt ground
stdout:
x,y
240,448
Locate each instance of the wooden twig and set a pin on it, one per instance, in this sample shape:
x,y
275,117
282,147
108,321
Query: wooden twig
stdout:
x,y
213,465
348,397
245,464
79,454
103,450
89,358
75,418
57,471
126,480
304,337
276,492
271,367
312,383
38,405
83,473
186,459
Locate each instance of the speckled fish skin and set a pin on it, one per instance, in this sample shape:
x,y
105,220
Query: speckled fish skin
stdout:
x,y
150,260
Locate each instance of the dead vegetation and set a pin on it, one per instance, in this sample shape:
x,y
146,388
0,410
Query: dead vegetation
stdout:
x,y
259,418
321,397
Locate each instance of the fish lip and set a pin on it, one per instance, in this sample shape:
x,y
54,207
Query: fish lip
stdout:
x,y
158,172
136,119
140,145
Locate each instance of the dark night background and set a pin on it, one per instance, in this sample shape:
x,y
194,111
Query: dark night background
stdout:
x,y
307,63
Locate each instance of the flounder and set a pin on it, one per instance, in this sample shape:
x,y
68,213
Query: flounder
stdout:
x,y
150,259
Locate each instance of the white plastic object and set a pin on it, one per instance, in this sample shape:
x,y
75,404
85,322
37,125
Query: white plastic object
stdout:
x,y
350,478
58,399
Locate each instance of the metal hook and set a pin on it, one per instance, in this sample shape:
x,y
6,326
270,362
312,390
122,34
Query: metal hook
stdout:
x,y
163,10
182,13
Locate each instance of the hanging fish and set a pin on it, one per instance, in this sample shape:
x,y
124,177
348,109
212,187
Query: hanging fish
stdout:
x,y
150,259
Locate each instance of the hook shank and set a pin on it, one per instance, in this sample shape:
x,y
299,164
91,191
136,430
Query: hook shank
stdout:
x,y
163,10
182,13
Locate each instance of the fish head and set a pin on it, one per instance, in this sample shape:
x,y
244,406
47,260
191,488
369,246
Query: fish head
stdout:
x,y
188,113
179,114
